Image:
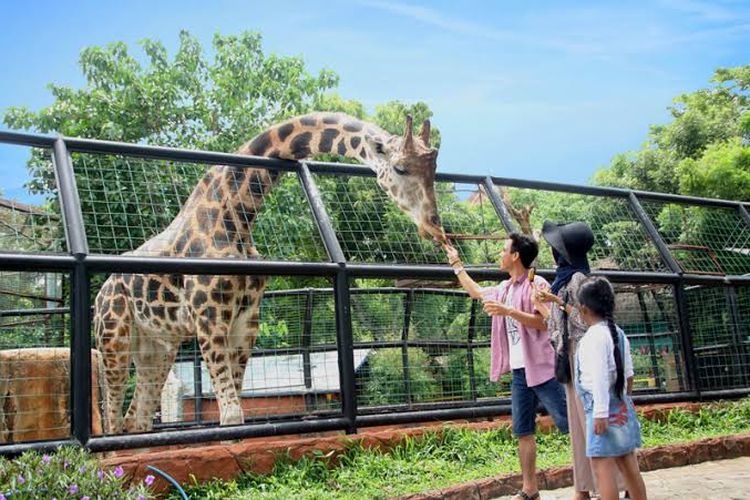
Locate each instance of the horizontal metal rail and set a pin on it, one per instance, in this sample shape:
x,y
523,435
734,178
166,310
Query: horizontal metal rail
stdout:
x,y
196,156
109,443
165,265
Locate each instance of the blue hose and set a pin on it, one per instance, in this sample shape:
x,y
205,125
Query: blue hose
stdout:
x,y
170,480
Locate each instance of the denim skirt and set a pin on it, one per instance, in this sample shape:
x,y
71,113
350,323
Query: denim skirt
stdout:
x,y
623,430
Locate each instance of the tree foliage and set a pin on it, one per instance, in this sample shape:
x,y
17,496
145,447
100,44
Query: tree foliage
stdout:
x,y
704,149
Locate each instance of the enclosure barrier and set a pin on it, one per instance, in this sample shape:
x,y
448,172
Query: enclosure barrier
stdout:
x,y
353,350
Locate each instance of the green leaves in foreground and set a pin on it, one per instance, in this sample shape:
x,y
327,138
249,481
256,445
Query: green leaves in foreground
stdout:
x,y
449,456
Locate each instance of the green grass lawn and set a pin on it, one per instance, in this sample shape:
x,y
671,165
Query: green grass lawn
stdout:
x,y
451,456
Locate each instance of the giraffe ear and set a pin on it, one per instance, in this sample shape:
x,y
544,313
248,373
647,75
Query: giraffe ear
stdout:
x,y
424,134
408,134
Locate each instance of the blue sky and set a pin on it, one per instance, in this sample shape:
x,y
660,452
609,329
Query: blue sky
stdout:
x,y
546,90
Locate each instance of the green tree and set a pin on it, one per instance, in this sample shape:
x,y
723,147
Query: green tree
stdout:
x,y
197,102
707,138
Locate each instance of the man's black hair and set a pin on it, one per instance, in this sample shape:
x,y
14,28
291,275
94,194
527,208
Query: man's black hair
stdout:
x,y
526,246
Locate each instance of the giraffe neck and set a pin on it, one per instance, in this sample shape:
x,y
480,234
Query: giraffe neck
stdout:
x,y
233,196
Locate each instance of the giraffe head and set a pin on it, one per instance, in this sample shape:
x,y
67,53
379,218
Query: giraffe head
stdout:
x,y
406,172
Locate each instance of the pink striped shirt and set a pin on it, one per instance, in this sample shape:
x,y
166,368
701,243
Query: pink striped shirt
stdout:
x,y
538,354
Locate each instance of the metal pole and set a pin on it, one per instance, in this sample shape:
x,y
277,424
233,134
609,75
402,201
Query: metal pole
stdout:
x,y
197,382
739,368
680,299
651,342
470,350
345,343
320,215
80,300
653,233
744,214
405,344
686,339
500,208
306,343
672,328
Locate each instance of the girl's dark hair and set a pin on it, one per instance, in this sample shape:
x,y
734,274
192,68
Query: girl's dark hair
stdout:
x,y
597,294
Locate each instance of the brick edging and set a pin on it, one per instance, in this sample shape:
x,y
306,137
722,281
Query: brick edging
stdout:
x,y
659,457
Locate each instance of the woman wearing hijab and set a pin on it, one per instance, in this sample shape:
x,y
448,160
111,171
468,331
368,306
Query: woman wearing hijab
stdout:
x,y
570,243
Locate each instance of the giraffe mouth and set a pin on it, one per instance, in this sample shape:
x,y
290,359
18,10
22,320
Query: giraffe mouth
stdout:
x,y
434,233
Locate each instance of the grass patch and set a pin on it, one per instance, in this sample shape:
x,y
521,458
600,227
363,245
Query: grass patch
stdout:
x,y
448,457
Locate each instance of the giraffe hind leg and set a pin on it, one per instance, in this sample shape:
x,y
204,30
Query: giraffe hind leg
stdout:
x,y
152,364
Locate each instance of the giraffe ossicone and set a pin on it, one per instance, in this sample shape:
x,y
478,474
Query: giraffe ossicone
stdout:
x,y
143,318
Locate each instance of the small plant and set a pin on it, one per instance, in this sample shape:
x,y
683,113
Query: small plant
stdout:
x,y
71,472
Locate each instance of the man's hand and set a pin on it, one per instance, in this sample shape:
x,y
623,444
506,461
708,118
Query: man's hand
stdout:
x,y
495,308
600,426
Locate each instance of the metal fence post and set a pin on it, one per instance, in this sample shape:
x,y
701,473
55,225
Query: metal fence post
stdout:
x,y
344,337
345,344
310,401
80,298
686,338
744,214
734,323
408,303
197,381
470,350
651,341
320,215
497,202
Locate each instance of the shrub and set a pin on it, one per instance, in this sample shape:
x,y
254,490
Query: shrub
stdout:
x,y
71,472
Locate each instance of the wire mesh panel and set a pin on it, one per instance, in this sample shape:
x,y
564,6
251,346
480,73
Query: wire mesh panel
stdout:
x,y
647,315
127,201
30,308
35,358
703,239
27,222
620,240
371,228
438,359
719,341
178,362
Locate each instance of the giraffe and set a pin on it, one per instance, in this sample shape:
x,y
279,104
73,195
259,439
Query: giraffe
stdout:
x,y
145,317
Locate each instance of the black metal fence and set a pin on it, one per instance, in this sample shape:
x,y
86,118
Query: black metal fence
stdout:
x,y
340,347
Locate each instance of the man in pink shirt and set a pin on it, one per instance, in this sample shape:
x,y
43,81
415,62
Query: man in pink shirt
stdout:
x,y
520,343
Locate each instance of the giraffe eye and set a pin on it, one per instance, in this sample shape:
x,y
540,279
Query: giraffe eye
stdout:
x,y
399,170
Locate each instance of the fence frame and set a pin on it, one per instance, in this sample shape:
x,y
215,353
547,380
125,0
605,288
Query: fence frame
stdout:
x,y
81,265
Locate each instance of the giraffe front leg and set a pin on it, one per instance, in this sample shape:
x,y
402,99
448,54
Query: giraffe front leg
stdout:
x,y
218,359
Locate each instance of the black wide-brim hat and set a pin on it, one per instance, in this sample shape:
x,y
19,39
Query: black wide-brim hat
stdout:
x,y
572,240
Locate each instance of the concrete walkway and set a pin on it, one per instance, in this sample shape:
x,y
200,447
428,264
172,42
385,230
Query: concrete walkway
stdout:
x,y
723,479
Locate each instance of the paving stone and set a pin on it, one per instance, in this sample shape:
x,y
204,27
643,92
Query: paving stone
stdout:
x,y
725,479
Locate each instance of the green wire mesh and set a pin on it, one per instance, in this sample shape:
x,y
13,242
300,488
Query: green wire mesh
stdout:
x,y
30,228
703,239
125,201
620,240
26,291
647,315
371,228
720,341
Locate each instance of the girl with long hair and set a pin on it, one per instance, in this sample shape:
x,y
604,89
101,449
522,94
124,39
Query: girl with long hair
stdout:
x,y
603,369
